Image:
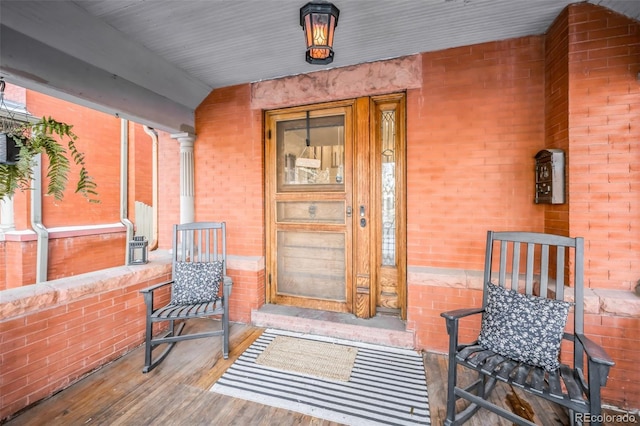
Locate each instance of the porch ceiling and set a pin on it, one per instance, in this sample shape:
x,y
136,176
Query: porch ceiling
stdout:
x,y
155,61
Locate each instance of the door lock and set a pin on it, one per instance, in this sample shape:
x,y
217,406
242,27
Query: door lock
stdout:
x,y
363,221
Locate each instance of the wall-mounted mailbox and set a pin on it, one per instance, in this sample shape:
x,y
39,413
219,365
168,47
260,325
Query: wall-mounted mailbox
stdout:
x,y
550,176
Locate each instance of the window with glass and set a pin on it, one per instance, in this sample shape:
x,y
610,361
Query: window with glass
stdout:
x,y
310,154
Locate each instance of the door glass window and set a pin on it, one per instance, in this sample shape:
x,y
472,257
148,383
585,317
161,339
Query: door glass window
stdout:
x,y
310,154
388,196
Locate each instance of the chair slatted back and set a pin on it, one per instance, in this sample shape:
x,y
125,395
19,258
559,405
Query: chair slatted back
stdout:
x,y
200,288
200,242
519,260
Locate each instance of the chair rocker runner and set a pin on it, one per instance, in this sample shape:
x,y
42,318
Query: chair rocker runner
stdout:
x,y
523,325
199,267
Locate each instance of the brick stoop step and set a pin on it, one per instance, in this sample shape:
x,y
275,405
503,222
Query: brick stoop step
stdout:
x,y
381,330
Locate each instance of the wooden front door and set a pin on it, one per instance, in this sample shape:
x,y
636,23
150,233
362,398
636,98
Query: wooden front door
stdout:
x,y
335,206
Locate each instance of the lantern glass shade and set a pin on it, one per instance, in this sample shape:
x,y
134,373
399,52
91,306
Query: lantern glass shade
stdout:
x,y
138,251
319,21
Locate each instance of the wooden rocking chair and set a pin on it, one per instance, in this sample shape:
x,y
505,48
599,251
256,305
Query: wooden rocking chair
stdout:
x,y
523,325
199,270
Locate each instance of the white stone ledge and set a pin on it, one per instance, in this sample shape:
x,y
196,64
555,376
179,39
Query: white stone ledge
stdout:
x,y
373,78
443,277
64,232
619,302
22,300
622,303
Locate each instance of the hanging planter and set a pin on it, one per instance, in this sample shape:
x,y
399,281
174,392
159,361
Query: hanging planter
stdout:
x,y
21,142
9,132
42,137
10,147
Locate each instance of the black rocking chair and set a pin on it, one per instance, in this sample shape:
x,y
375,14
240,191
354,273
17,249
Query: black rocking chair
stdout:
x,y
523,324
199,275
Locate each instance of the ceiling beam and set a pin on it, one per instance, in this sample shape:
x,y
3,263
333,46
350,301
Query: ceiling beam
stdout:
x,y
34,65
90,39
93,64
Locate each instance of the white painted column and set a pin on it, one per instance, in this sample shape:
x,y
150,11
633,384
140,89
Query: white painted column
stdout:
x,y
187,192
7,222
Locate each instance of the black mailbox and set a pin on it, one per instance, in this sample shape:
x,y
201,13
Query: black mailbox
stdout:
x,y
550,177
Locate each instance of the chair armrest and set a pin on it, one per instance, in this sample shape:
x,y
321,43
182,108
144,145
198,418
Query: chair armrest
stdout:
x,y
155,287
594,352
227,283
452,317
460,313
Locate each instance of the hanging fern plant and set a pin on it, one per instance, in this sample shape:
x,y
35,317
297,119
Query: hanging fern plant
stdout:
x,y
43,137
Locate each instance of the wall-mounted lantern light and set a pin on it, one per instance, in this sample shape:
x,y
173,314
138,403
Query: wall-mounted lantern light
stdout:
x,y
319,21
138,251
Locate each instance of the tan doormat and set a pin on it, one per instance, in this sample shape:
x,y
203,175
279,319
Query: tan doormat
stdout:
x,y
321,359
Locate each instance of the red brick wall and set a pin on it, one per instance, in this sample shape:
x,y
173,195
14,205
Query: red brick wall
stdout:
x,y
591,99
556,216
428,302
230,187
169,190
229,172
141,166
3,265
22,209
604,131
48,348
20,263
619,335
604,169
99,138
481,115
472,132
77,255
248,293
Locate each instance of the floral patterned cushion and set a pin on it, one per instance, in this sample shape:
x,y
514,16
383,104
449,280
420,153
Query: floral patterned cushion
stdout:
x,y
196,282
523,327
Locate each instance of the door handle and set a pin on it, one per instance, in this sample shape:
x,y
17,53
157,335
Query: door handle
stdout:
x,y
363,221
348,211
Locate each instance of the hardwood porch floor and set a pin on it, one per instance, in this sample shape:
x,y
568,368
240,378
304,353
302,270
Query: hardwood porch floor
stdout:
x,y
177,392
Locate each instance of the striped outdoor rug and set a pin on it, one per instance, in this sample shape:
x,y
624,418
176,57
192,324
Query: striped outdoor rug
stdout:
x,y
387,385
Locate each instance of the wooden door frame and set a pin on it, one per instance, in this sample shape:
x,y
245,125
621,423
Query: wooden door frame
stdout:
x,y
271,195
363,262
377,103
363,274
